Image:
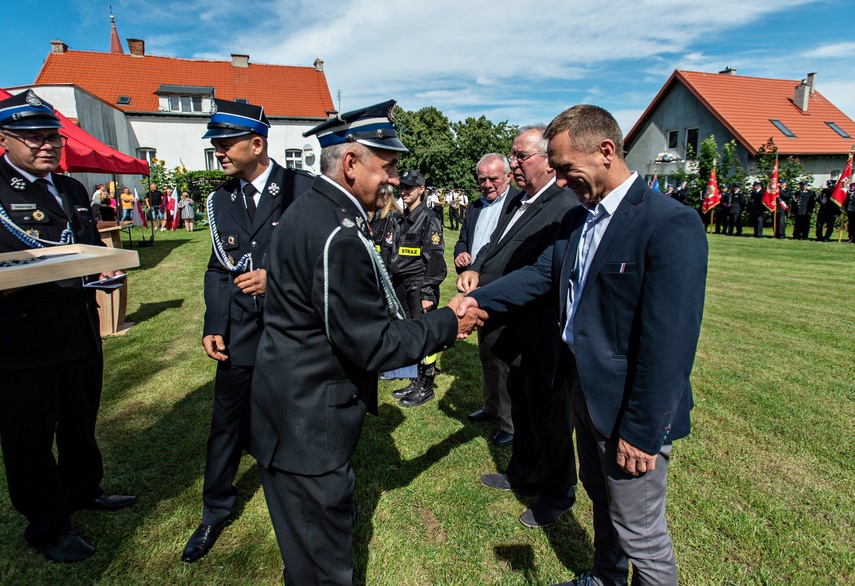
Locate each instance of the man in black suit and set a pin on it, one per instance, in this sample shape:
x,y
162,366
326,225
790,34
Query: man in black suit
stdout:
x,y
494,181
826,215
244,213
734,211
804,201
327,334
50,341
756,207
542,459
627,271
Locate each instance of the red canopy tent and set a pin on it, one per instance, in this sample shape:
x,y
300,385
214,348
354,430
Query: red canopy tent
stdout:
x,y
86,154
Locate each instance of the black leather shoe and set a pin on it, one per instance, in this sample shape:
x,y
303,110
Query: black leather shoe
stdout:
x,y
202,540
497,481
503,439
583,580
480,417
419,397
68,548
111,502
541,515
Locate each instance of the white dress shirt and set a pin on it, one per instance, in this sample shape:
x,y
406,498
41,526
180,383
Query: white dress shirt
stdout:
x,y
488,218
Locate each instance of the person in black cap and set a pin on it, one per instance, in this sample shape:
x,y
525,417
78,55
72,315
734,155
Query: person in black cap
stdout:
x,y
331,324
804,201
734,211
418,268
50,341
243,215
756,207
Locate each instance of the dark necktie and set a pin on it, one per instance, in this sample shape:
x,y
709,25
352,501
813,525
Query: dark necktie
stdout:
x,y
249,192
62,200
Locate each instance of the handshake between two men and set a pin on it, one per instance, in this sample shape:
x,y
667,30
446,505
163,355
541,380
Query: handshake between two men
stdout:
x,y
469,317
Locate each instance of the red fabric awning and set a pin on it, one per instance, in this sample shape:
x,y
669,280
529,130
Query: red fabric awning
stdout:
x,y
86,154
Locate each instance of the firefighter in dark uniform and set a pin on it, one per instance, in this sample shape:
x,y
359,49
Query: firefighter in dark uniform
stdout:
x,y
756,208
736,201
721,213
804,200
827,213
384,224
781,206
417,268
243,214
850,213
50,342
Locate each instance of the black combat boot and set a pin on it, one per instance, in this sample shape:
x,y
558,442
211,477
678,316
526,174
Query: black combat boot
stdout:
x,y
424,388
400,393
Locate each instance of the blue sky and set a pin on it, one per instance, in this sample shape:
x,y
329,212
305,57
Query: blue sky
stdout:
x,y
518,61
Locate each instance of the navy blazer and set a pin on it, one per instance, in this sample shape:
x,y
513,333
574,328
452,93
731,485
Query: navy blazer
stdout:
x,y
467,228
637,325
228,311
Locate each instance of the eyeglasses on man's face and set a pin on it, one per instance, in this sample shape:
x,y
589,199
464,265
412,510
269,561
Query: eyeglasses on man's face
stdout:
x,y
37,141
523,156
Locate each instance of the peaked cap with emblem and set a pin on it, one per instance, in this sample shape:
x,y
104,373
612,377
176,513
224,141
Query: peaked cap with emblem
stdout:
x,y
371,126
230,119
412,178
27,111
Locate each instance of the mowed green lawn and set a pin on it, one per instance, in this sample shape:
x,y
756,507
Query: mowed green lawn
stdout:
x,y
760,493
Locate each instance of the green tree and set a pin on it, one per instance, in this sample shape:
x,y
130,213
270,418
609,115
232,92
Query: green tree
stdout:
x,y
428,136
474,138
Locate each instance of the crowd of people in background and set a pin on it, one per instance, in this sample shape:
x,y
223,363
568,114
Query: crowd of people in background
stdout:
x,y
164,209
801,208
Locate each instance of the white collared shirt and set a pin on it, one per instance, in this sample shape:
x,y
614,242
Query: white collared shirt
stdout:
x,y
259,183
595,227
488,218
524,205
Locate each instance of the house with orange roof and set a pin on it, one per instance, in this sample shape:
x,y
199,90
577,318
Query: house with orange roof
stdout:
x,y
691,106
158,107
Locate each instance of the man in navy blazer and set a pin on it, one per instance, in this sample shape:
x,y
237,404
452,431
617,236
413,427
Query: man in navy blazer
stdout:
x,y
628,272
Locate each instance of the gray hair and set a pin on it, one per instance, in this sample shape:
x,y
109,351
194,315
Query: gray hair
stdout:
x,y
542,143
506,165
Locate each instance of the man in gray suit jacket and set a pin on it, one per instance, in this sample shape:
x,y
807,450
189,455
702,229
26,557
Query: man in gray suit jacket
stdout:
x,y
542,460
627,272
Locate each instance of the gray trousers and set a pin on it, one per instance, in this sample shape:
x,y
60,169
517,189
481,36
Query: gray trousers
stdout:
x,y
494,385
629,511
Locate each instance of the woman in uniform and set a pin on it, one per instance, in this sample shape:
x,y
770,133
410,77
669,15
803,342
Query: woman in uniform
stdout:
x,y
417,267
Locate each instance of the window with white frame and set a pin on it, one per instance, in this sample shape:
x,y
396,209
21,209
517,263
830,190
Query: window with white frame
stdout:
x,y
673,138
293,159
212,163
147,154
692,135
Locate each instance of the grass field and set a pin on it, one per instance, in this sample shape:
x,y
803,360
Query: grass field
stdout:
x,y
760,493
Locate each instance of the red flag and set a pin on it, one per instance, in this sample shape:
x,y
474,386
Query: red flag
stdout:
x,y
712,196
771,194
838,196
138,216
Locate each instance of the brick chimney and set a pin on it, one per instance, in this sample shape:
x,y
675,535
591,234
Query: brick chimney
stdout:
x,y
728,71
136,47
800,98
319,65
811,82
58,46
240,60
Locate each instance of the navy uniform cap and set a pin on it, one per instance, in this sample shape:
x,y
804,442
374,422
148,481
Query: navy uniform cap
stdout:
x,y
412,178
27,111
371,126
235,119
734,185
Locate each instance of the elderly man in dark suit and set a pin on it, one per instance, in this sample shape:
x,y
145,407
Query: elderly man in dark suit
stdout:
x,y
494,181
542,460
243,214
50,342
627,272
327,334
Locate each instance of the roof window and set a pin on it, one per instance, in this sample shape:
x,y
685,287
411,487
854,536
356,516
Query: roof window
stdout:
x,y
838,130
124,100
784,130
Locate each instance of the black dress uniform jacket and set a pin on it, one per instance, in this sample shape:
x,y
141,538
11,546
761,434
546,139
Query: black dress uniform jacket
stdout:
x,y
327,334
418,254
54,322
229,312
